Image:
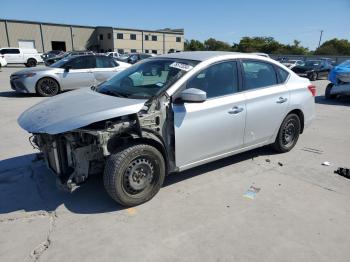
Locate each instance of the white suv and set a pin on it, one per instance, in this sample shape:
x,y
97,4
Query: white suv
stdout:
x,y
28,57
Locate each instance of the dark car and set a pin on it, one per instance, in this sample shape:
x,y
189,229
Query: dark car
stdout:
x,y
54,59
133,58
51,54
314,69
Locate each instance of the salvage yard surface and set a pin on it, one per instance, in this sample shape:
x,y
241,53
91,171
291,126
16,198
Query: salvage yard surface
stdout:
x,y
297,209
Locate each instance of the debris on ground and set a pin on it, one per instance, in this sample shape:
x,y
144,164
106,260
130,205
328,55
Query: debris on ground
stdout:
x,y
326,163
280,164
342,171
267,160
251,192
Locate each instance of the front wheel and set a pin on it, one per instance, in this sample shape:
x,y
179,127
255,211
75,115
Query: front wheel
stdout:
x,y
47,87
288,134
31,62
134,175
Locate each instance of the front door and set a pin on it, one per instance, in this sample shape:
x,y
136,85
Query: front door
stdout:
x,y
79,74
215,127
266,101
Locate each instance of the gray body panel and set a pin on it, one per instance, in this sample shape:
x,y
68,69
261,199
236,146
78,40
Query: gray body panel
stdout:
x,y
76,109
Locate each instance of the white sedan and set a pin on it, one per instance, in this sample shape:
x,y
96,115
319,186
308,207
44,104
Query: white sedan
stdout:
x,y
68,73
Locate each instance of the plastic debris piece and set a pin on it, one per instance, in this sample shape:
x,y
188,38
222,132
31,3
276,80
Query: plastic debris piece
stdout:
x,y
251,192
342,171
326,163
280,164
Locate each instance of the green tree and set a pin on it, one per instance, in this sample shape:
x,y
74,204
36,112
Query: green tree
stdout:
x,y
334,47
193,45
212,44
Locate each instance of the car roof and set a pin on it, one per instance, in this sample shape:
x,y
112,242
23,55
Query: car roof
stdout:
x,y
198,55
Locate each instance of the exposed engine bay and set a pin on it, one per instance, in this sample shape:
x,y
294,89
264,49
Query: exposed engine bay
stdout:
x,y
74,156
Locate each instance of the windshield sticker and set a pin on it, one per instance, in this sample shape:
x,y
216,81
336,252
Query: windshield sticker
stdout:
x,y
181,66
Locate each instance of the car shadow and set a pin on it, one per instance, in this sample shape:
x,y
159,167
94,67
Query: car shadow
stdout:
x,y
339,101
14,94
26,184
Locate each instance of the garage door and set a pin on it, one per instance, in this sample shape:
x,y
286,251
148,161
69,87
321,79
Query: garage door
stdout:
x,y
27,44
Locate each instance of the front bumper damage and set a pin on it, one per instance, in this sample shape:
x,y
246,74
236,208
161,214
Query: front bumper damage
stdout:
x,y
71,156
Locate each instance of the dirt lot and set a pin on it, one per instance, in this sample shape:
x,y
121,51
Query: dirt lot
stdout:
x,y
301,213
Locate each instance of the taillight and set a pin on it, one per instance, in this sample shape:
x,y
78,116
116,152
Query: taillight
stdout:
x,y
312,89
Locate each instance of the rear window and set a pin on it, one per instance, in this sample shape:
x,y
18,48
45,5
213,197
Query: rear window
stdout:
x,y
282,74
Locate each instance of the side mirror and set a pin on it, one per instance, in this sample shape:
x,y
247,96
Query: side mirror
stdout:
x,y
67,68
193,95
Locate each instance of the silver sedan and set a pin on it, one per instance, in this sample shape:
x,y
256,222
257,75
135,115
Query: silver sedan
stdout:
x,y
167,114
66,74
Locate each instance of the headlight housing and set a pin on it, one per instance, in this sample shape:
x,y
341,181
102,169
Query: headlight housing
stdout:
x,y
28,75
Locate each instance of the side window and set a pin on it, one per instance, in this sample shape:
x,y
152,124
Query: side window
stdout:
x,y
82,62
14,51
217,80
282,74
104,62
258,74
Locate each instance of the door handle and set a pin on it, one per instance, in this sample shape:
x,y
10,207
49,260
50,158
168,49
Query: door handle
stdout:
x,y
235,110
281,100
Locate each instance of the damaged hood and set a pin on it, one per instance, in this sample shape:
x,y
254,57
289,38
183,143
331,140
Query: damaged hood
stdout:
x,y
74,110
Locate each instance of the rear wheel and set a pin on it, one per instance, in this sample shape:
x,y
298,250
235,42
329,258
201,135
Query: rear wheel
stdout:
x,y
31,62
288,134
134,175
327,93
47,87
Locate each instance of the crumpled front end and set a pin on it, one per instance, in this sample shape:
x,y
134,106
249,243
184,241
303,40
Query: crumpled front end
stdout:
x,y
74,156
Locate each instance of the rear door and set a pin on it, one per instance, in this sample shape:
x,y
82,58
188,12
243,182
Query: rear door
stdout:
x,y
80,72
105,68
214,127
267,100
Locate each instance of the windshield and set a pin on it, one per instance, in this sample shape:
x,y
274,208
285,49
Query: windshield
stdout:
x,y
60,63
345,63
312,63
146,79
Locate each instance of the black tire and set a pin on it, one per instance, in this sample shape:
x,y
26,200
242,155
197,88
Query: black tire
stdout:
x,y
31,62
288,134
47,87
327,93
313,76
134,174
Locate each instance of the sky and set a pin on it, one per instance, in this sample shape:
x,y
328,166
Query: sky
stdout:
x,y
226,20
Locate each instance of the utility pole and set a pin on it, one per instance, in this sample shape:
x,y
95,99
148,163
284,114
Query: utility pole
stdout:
x,y
319,42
